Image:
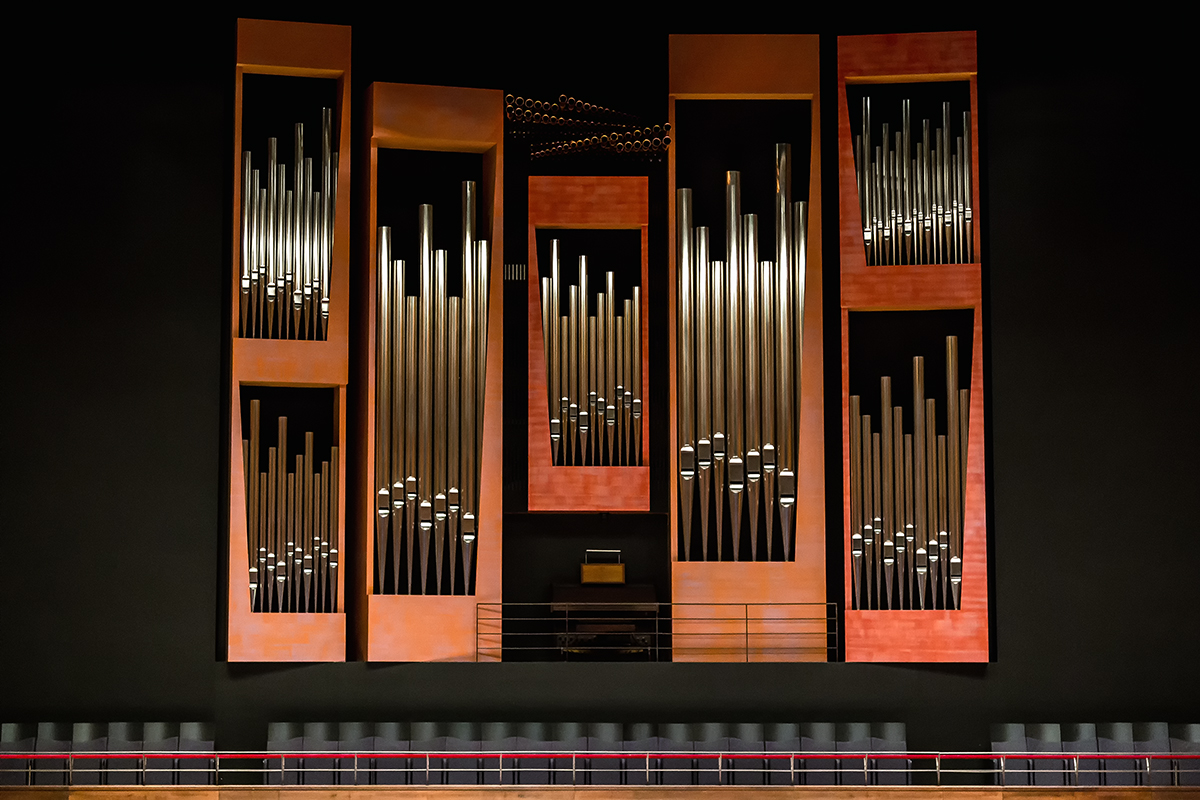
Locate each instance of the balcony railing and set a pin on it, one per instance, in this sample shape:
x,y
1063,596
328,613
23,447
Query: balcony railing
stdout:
x,y
500,767
656,631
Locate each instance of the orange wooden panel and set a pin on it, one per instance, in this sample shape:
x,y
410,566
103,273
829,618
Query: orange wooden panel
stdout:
x,y
138,792
704,592
433,627
420,117
290,362
931,635
960,635
293,48
749,67
743,65
421,627
300,49
259,636
896,58
905,57
289,48
584,202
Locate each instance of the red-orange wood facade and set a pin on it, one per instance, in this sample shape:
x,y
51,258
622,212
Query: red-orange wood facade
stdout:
x,y
433,627
316,51
755,67
913,635
577,202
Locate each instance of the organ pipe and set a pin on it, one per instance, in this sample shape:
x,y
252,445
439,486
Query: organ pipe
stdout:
x,y
430,375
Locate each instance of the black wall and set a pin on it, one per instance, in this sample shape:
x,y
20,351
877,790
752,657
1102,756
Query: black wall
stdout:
x,y
114,316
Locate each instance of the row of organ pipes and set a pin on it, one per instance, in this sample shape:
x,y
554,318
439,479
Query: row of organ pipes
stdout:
x,y
740,324
594,370
287,241
291,523
906,497
916,206
430,360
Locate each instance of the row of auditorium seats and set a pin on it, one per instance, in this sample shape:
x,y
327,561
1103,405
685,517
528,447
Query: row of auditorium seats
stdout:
x,y
593,753
604,753
117,749
1120,741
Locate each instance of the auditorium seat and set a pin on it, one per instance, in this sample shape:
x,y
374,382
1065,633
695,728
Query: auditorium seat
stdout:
x,y
782,737
390,738
88,737
1185,740
1153,737
427,738
1046,737
16,737
708,737
890,737
497,736
319,738
1080,737
531,763
566,737
675,738
853,737
196,737
160,737
602,738
52,737
636,738
466,738
819,737
355,738
1117,737
285,737
746,737
1009,737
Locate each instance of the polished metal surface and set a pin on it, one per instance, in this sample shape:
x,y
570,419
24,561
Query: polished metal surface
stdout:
x,y
739,330
291,523
287,241
907,493
432,366
916,206
593,367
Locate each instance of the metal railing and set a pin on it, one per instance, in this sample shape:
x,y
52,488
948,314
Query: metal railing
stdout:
x,y
656,631
489,766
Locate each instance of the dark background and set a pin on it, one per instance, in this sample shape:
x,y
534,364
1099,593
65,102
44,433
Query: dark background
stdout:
x,y
115,357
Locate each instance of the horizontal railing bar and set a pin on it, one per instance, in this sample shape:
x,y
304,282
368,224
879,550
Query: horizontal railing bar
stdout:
x,y
341,754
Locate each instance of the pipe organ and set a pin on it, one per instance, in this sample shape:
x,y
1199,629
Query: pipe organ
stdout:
x,y
594,370
430,372
915,197
287,240
914,500
907,494
291,521
289,343
740,355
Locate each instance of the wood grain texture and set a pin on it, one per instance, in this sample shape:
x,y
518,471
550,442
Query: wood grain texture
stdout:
x,y
759,67
914,636
567,202
432,627
298,49
760,600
